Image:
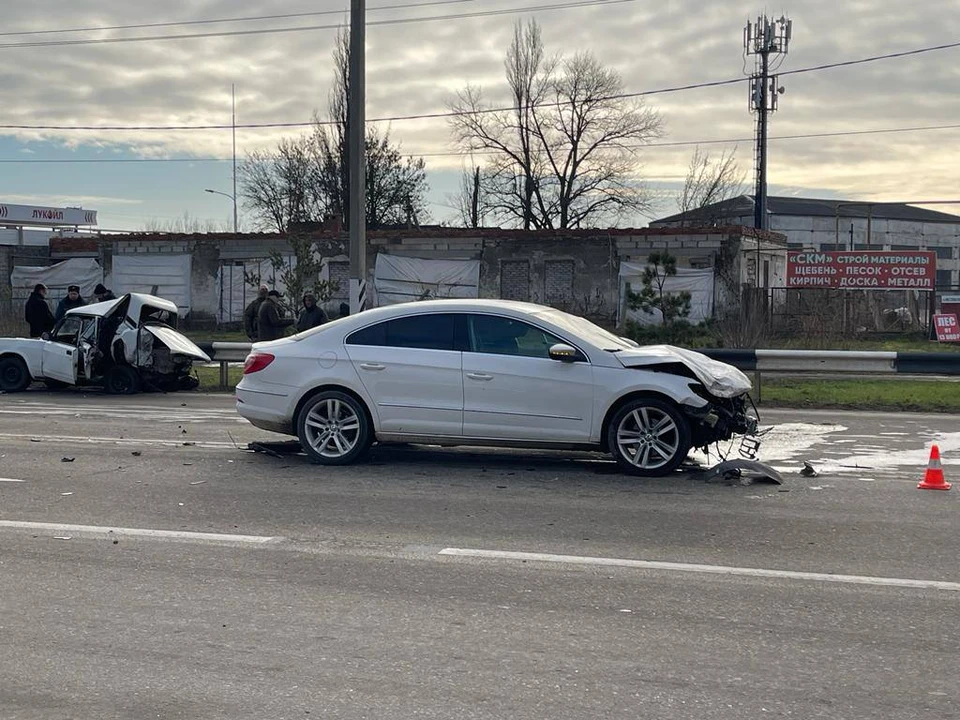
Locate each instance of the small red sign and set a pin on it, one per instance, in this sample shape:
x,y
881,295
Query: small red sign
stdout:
x,y
862,269
948,329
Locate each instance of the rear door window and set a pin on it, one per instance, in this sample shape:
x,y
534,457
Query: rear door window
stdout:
x,y
430,331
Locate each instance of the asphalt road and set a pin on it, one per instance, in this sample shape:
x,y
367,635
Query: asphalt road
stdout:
x,y
151,567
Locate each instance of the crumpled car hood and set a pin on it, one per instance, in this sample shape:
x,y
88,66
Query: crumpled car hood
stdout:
x,y
719,378
178,344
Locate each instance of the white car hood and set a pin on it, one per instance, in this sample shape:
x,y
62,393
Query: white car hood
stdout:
x,y
719,378
179,344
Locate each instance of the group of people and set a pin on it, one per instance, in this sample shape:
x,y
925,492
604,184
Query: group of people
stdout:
x,y
37,312
263,319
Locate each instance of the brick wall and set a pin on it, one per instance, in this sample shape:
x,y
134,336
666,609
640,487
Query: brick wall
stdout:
x,y
515,280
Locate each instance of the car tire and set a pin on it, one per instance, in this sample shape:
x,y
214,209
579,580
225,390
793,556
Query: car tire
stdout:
x,y
14,375
334,428
649,437
121,380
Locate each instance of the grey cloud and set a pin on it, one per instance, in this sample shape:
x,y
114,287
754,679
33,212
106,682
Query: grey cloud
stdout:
x,y
416,68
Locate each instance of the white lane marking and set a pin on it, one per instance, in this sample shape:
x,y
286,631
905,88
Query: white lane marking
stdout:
x,y
11,480
209,444
181,535
708,569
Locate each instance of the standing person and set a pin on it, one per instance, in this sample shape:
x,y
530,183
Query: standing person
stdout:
x,y
71,301
270,321
37,312
311,315
102,294
252,313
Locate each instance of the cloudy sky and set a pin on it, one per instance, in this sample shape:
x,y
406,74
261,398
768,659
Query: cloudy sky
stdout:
x,y
414,68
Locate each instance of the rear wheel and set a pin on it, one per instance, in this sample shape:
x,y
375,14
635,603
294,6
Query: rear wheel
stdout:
x,y
121,380
649,437
14,376
333,428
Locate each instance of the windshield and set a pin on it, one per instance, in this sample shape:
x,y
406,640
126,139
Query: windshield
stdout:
x,y
587,330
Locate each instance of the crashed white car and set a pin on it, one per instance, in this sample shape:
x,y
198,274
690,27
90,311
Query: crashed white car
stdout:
x,y
490,372
125,345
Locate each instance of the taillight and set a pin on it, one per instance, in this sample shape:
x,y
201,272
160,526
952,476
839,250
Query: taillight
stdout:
x,y
256,362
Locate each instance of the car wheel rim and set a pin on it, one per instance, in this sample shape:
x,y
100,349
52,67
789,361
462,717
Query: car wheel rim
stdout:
x,y
332,428
11,375
648,438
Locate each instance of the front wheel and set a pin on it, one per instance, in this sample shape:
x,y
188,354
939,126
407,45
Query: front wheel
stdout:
x,y
121,380
649,437
14,376
333,428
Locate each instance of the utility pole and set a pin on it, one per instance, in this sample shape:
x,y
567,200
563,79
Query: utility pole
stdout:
x,y
768,40
356,155
233,97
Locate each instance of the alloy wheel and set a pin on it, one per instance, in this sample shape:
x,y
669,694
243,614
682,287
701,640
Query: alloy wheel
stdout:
x,y
648,438
332,428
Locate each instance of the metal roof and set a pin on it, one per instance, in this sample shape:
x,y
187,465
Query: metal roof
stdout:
x,y
807,207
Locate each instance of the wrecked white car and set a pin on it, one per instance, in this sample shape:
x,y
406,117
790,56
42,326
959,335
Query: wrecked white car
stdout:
x,y
124,345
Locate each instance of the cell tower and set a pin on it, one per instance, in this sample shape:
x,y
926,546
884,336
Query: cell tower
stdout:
x,y
767,40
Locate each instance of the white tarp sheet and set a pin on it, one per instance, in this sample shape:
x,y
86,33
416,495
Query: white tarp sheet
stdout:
x,y
699,283
84,272
170,274
400,279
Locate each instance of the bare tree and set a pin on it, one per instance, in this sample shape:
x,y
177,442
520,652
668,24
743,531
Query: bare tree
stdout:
x,y
468,202
186,223
710,181
307,178
565,153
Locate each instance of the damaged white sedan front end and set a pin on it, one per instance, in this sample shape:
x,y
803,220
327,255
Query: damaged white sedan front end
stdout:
x,y
123,345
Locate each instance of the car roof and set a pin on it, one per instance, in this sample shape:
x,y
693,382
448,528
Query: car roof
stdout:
x,y
456,305
138,301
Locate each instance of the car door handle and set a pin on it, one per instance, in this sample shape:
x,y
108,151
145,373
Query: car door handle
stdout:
x,y
479,376
372,367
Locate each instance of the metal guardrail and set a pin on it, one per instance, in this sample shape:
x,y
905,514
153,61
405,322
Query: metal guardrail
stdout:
x,y
757,362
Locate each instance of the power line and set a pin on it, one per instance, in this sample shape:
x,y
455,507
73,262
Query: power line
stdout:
x,y
436,115
676,143
305,28
874,58
181,23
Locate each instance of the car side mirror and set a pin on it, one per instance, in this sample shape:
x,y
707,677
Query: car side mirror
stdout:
x,y
564,353
45,336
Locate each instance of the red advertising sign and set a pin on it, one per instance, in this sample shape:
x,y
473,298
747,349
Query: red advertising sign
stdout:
x,y
862,269
948,329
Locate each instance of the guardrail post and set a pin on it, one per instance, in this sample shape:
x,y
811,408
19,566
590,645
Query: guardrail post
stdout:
x,y
224,374
757,384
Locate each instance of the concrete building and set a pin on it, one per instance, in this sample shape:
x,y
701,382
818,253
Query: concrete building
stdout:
x,y
212,276
827,225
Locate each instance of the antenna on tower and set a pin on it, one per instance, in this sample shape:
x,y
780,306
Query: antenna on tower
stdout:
x,y
768,41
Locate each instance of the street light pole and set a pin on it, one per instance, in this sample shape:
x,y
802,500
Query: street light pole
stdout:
x,y
233,198
356,120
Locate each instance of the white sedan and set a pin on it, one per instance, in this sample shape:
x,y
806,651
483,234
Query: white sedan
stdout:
x,y
494,373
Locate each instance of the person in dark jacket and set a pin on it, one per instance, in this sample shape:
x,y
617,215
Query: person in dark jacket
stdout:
x,y
37,312
311,315
103,294
270,322
252,313
71,301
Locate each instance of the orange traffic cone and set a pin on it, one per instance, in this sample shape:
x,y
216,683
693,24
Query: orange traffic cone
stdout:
x,y
933,478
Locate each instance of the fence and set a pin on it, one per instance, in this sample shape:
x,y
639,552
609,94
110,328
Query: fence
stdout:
x,y
812,312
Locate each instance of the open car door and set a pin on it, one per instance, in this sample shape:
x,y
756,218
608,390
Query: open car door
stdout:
x,y
59,359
